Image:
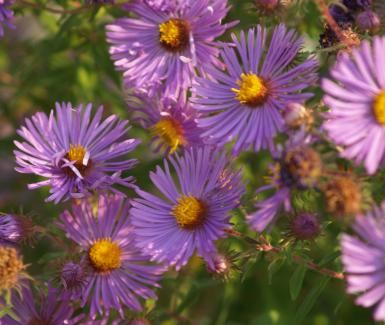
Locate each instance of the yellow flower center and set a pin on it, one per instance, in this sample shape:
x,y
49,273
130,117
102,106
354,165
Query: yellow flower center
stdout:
x,y
190,212
10,267
252,90
76,153
379,107
170,131
174,34
105,255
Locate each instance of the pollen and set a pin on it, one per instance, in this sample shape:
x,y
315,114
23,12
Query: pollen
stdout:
x,y
170,132
379,107
252,90
190,212
76,153
10,268
174,34
105,256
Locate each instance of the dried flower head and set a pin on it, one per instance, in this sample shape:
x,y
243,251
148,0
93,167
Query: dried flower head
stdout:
x,y
342,196
11,268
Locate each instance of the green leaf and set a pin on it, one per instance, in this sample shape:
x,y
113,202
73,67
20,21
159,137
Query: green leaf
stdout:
x,y
274,267
296,281
310,300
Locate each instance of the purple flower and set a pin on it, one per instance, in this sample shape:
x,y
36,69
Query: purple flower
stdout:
x,y
166,47
74,152
51,310
5,15
244,102
363,260
171,122
297,166
192,213
15,228
356,97
118,273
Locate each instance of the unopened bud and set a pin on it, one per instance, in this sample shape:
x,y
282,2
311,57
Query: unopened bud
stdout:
x,y
368,20
305,226
296,115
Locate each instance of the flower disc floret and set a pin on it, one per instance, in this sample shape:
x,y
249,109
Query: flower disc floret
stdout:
x,y
190,212
105,255
174,34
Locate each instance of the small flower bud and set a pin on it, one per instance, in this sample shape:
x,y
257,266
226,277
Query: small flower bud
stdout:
x,y
342,196
368,20
296,115
305,226
73,276
15,228
223,265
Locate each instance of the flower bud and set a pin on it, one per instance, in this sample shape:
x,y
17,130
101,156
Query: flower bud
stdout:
x,y
15,228
305,226
223,265
73,276
368,20
295,115
342,196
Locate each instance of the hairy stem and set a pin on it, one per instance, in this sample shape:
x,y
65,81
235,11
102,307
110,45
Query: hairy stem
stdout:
x,y
265,246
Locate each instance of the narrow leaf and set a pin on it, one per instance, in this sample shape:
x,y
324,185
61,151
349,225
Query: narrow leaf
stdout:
x,y
296,281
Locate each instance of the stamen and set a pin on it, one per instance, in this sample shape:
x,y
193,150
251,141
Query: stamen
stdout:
x,y
379,107
190,212
174,34
105,255
252,90
170,131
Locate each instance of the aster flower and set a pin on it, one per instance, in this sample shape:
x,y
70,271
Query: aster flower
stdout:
x,y
74,152
192,212
118,272
166,47
52,310
244,102
5,15
356,97
297,166
171,122
305,226
363,260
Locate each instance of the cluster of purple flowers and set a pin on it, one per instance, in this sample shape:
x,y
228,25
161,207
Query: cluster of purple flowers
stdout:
x,y
196,97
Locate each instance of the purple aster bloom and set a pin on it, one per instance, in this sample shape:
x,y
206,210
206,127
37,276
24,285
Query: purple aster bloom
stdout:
x,y
10,229
48,309
261,77
171,122
5,15
74,152
15,228
356,97
192,212
297,166
363,260
166,48
118,273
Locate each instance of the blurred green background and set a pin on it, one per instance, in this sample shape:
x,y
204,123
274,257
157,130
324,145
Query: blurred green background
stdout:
x,y
52,57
